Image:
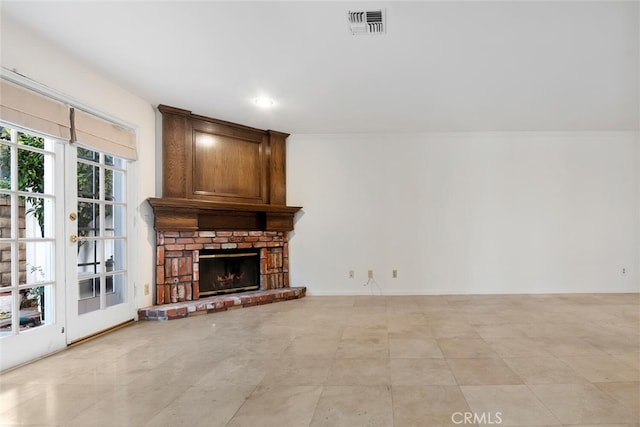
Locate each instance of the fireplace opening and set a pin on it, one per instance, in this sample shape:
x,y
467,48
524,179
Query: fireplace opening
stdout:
x,y
227,271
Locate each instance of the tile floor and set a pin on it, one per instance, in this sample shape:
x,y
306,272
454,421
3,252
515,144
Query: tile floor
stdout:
x,y
350,361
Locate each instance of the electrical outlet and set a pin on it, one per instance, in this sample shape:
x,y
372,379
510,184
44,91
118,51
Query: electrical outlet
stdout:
x,y
351,274
146,289
394,274
370,274
624,271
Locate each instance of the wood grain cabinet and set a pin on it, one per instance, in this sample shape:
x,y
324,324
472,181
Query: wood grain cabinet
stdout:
x,y
221,175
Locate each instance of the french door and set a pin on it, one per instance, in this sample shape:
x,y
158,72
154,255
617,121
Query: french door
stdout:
x,y
32,304
97,223
63,244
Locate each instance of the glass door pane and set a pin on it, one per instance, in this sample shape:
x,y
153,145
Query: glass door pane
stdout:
x,y
101,212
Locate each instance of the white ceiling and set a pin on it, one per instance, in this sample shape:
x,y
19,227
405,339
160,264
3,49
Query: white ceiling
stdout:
x,y
442,66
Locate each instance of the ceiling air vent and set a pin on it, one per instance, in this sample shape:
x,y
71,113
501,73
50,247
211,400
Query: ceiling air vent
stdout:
x,y
367,21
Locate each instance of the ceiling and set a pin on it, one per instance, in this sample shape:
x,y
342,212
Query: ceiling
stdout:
x,y
441,66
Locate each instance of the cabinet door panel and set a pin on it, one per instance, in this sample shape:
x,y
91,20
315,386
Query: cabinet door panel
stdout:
x,y
227,167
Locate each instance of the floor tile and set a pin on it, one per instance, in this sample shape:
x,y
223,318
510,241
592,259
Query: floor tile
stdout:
x,y
602,368
375,334
57,404
582,404
363,342
515,404
452,329
130,405
627,393
427,371
234,371
299,371
418,406
519,347
491,371
631,358
408,345
544,370
412,322
465,348
499,331
354,406
202,407
359,372
11,395
570,346
294,407
610,343
548,329
312,347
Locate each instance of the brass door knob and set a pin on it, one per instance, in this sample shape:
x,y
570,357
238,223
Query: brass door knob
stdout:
x,y
73,238
73,216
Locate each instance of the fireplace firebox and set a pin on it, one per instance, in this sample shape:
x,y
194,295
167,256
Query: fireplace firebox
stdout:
x,y
227,271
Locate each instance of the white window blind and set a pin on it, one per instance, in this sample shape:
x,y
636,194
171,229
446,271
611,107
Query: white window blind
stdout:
x,y
31,110
104,135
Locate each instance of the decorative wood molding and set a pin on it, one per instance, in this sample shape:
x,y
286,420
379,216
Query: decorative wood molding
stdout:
x,y
179,214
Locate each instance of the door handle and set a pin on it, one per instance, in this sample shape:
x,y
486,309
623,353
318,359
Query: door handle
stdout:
x,y
73,238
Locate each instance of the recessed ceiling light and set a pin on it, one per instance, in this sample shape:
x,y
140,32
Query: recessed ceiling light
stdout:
x,y
264,102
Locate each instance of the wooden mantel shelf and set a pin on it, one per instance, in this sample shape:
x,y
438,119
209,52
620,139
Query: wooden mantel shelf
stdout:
x,y
179,214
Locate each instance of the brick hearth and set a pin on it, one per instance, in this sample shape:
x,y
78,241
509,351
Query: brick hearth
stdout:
x,y
219,303
177,266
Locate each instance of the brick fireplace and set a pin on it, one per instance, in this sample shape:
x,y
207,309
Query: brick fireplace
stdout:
x,y
178,259
223,188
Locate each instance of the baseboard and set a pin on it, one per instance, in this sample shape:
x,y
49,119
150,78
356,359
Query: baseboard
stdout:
x,y
435,292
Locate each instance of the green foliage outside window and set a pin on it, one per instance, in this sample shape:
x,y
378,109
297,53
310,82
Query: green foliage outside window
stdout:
x,y
30,170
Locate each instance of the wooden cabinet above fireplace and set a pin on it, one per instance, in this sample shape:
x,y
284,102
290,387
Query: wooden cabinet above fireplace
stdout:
x,y
220,175
209,159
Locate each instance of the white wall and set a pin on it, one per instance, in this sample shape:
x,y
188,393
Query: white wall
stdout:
x,y
453,213
465,213
32,56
